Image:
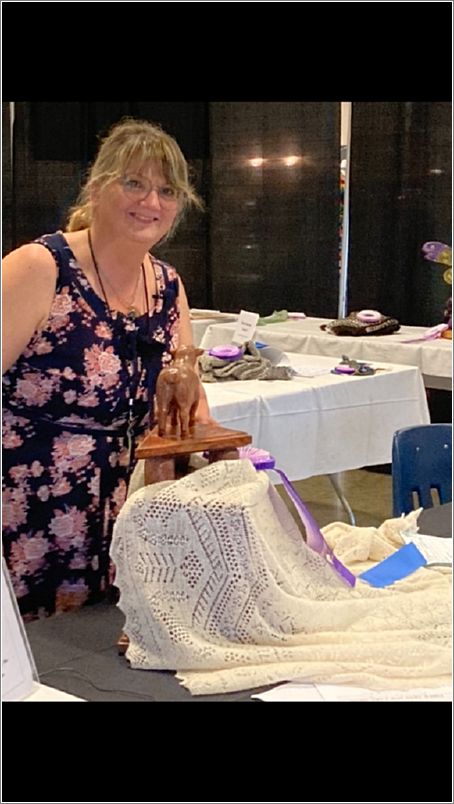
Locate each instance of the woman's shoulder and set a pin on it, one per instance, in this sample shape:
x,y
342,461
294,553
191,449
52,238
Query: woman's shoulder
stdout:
x,y
166,268
29,276
161,262
31,254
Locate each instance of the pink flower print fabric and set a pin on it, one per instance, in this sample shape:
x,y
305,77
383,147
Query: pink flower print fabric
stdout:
x,y
65,414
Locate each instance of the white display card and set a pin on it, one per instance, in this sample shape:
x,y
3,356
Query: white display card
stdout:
x,y
245,327
19,676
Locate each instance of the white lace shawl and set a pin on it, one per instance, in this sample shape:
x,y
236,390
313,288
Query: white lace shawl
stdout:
x,y
217,583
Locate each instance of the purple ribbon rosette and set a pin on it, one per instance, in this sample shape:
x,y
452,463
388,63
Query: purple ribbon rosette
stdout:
x,y
228,352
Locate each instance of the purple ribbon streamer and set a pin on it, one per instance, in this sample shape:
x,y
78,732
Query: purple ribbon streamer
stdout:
x,y
314,535
430,334
263,460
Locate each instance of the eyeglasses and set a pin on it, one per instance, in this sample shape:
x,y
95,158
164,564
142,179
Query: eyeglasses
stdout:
x,y
139,188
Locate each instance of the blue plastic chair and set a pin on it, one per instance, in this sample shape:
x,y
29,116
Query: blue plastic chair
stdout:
x,y
421,461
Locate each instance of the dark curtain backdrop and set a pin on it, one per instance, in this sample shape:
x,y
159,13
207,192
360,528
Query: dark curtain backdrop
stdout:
x,y
7,179
274,226
400,197
268,237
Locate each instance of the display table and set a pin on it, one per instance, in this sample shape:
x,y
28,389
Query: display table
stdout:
x,y
199,323
77,652
84,644
436,521
326,423
433,358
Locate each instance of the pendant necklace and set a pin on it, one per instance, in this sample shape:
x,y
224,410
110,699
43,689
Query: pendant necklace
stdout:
x,y
134,365
132,313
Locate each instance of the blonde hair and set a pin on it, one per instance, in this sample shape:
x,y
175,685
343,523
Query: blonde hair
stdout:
x,y
138,142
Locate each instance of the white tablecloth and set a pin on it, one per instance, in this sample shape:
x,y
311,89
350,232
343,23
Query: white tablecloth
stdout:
x,y
433,358
199,325
327,423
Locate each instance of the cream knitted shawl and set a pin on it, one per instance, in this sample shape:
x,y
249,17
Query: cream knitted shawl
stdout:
x,y
217,583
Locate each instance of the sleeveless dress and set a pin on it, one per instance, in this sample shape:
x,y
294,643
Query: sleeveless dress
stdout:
x,y
73,405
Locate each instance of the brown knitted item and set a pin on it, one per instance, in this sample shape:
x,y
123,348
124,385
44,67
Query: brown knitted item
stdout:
x,y
351,326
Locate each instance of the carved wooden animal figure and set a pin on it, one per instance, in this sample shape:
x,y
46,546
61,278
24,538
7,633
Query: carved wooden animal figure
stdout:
x,y
178,391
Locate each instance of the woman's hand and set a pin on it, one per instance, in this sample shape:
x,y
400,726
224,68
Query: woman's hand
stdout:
x,y
202,414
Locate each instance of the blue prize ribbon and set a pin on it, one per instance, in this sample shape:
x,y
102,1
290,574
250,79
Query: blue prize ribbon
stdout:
x,y
400,564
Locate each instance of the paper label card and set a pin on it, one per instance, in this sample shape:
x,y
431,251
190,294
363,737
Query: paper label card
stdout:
x,y
19,674
245,327
295,691
435,549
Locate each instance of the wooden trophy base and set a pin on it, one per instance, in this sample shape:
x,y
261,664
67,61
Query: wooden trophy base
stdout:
x,y
167,457
163,454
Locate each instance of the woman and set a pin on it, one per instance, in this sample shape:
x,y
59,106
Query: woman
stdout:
x,y
90,318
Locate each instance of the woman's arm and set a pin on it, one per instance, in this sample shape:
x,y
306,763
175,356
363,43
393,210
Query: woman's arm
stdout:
x,y
185,339
29,276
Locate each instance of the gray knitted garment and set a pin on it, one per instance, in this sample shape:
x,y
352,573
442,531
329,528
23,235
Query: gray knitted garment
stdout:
x,y
251,366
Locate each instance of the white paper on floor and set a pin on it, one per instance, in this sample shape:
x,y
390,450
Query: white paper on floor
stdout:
x,y
294,691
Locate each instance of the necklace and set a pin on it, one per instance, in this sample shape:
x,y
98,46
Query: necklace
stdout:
x,y
132,311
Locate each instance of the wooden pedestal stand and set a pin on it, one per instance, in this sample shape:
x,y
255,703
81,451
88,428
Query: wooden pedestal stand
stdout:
x,y
166,455
162,453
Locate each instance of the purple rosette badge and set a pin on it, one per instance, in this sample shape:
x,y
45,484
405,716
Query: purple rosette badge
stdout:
x,y
228,352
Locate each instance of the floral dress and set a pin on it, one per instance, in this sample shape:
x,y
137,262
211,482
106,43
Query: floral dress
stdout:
x,y
73,405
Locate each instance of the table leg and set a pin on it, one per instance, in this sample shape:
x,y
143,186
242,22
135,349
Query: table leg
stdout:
x,y
345,504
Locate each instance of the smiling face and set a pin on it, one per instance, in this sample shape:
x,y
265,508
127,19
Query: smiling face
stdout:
x,y
141,205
